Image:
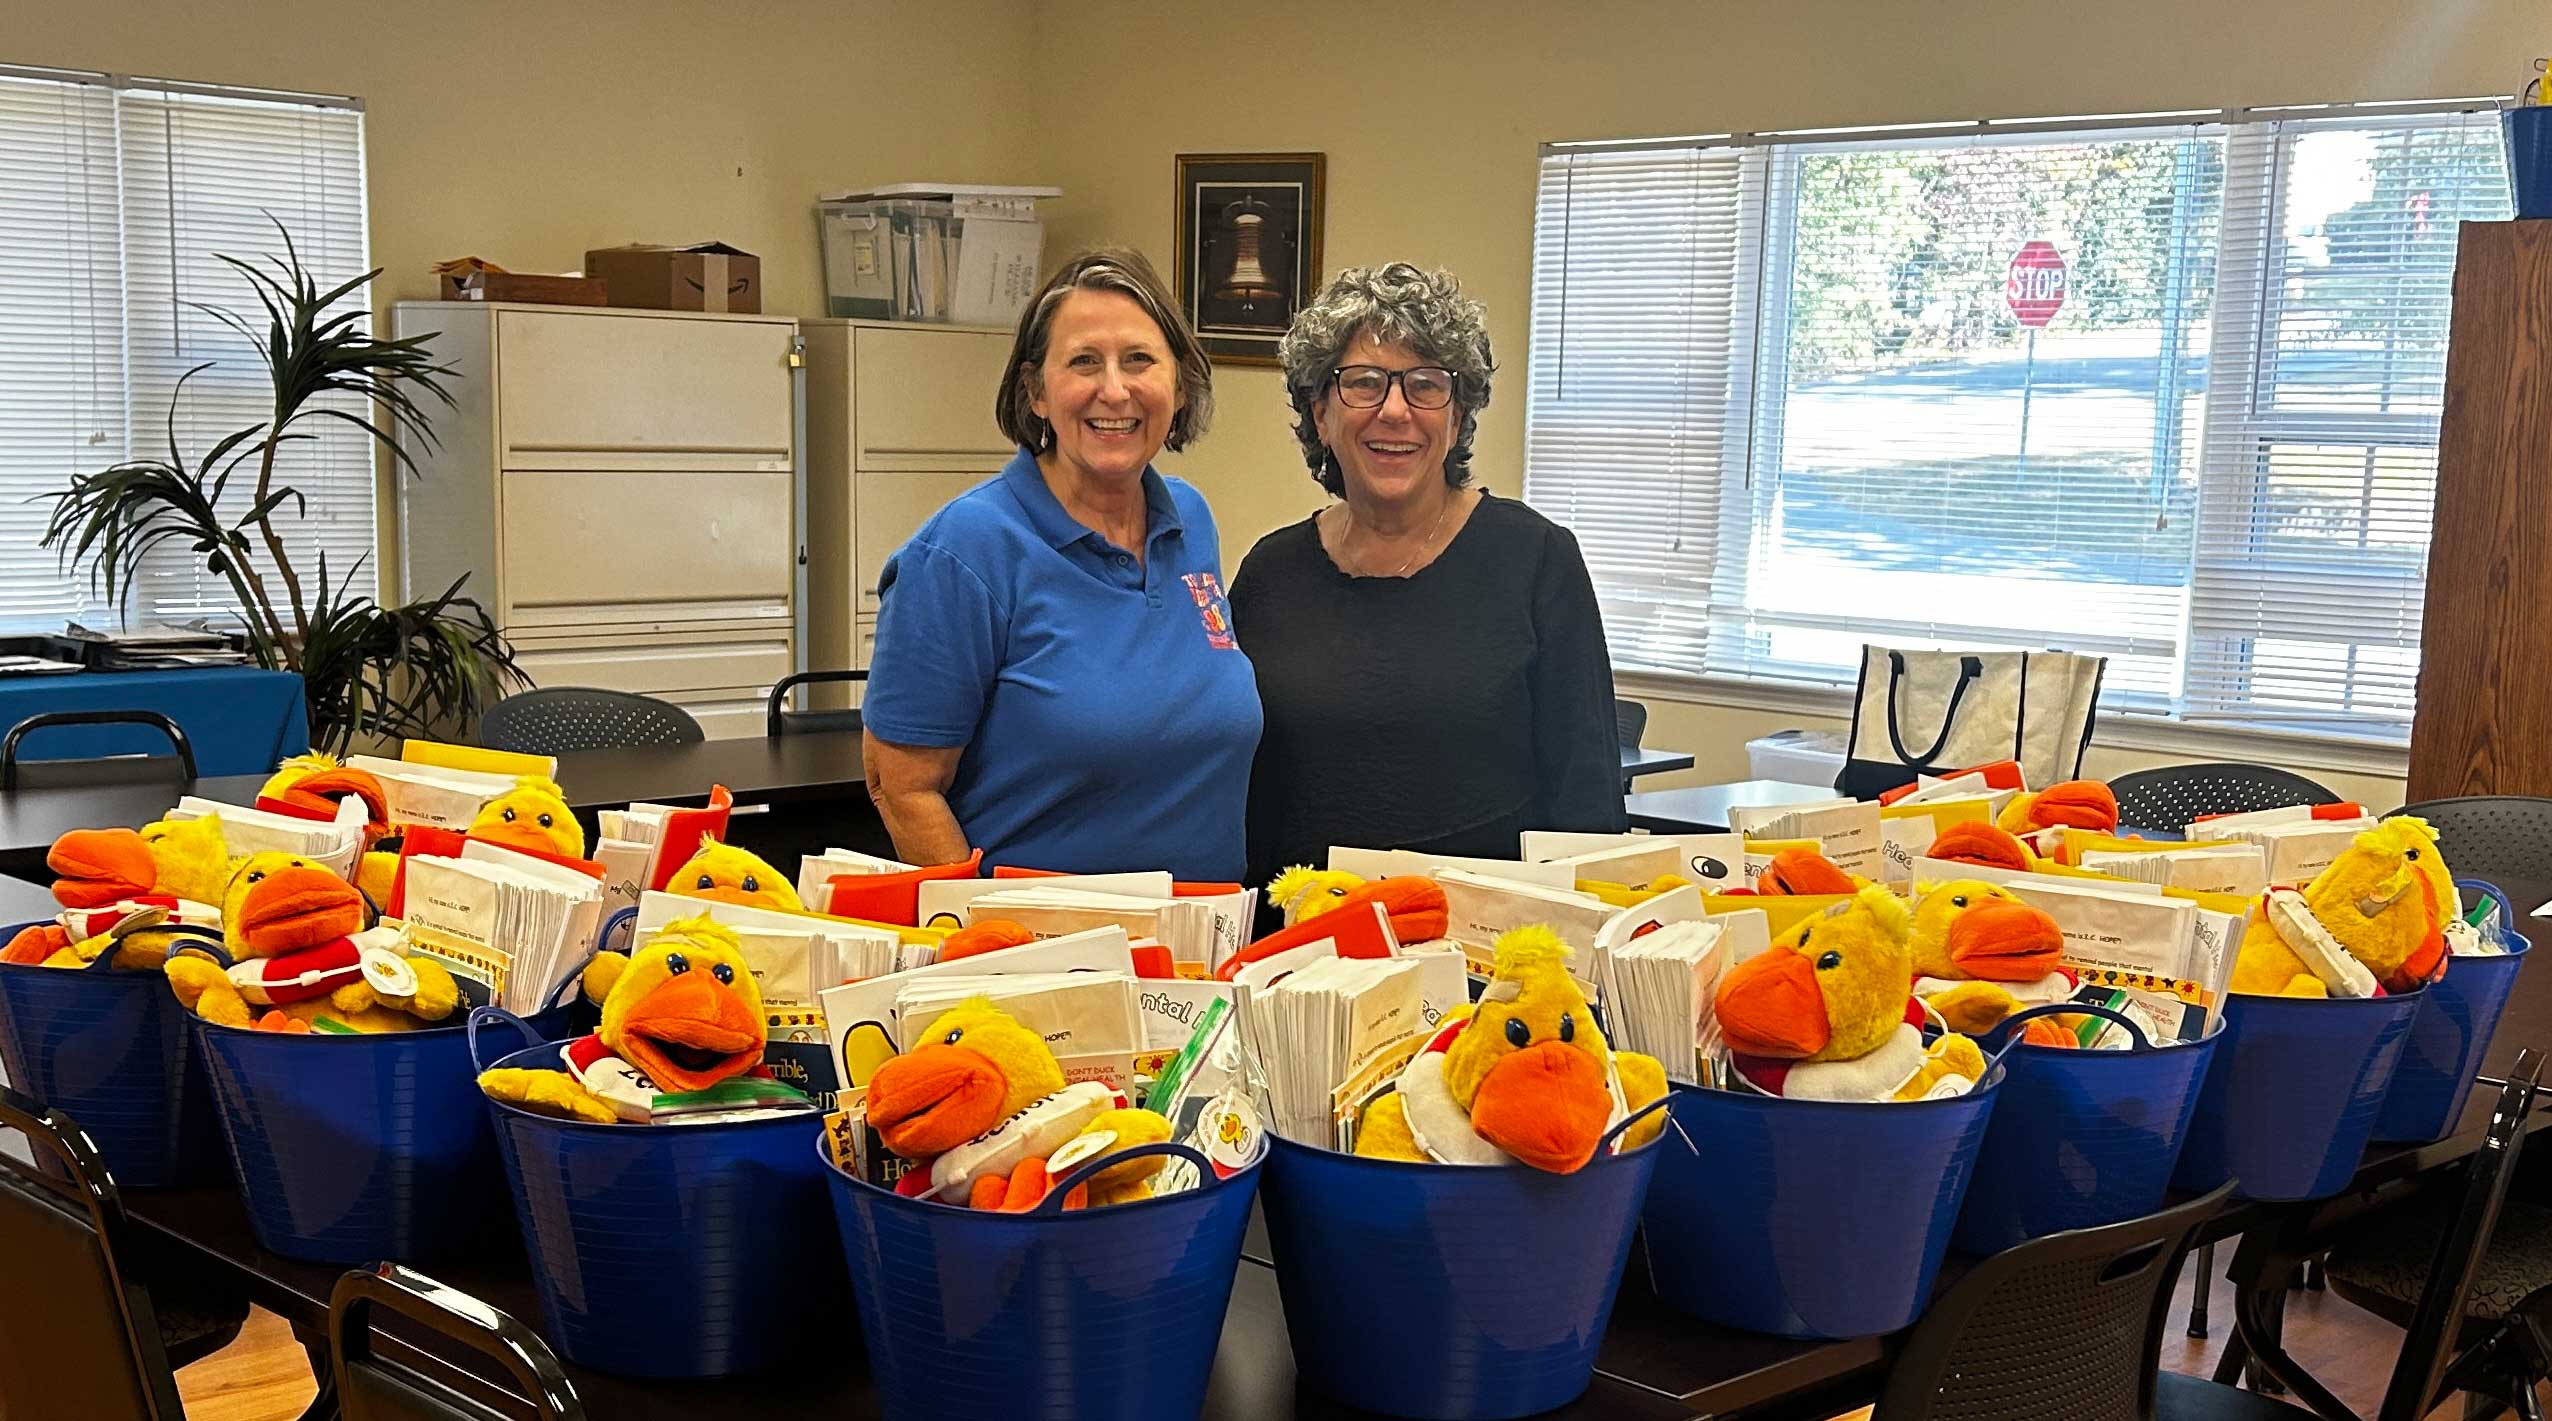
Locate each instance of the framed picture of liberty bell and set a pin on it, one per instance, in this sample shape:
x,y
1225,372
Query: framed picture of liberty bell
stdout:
x,y
1248,247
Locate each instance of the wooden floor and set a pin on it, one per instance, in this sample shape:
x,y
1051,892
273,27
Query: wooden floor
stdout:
x,y
264,1377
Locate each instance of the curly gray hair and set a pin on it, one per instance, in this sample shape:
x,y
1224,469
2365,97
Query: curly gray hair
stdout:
x,y
1398,304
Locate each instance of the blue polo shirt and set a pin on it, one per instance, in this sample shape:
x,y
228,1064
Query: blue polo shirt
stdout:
x,y
1108,716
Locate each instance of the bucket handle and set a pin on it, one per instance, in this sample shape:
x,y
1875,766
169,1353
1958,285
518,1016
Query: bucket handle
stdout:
x,y
480,1016
2134,1032
1604,1146
1061,1189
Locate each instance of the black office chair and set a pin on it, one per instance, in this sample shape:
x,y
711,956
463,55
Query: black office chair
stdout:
x,y
2491,836
106,770
557,719
2472,1266
370,1388
2067,1325
779,720
2172,795
82,1331
1630,721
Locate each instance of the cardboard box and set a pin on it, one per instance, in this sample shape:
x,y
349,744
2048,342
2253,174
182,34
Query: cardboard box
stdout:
x,y
526,286
704,276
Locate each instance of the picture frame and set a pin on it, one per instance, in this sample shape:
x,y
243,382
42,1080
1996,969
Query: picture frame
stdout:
x,y
1249,238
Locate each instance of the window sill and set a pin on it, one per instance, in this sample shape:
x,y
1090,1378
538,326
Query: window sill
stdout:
x,y
2115,730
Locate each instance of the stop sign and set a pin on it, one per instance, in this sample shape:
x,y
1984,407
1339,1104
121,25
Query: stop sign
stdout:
x,y
2034,287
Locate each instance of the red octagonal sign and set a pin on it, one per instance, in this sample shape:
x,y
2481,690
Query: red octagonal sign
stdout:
x,y
2034,287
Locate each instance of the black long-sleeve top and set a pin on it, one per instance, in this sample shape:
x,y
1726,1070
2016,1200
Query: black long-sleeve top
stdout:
x,y
1446,711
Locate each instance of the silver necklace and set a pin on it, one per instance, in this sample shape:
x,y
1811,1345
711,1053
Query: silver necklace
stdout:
x,y
1429,541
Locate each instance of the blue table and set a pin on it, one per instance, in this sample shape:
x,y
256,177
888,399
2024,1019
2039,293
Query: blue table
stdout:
x,y
240,720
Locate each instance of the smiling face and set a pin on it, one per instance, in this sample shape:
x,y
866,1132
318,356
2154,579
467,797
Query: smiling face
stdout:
x,y
1108,389
1391,453
687,1011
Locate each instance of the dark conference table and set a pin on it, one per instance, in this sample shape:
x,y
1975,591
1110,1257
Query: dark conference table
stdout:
x,y
1703,809
790,771
1655,1362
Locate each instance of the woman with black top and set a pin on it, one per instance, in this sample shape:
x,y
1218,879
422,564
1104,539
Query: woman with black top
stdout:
x,y
1430,656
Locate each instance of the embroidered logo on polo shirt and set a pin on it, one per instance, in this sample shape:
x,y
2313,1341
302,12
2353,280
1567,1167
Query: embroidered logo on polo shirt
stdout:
x,y
1211,609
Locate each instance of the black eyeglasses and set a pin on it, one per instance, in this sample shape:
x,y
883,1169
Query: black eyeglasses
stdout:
x,y
1425,387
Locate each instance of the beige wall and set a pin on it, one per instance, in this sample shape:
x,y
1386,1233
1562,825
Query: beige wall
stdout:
x,y
1430,121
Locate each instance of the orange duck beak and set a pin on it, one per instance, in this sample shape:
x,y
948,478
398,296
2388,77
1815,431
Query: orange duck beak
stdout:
x,y
1770,1005
2005,942
1546,1105
95,867
1799,871
297,908
934,1098
691,1032
1981,844
322,791
2077,804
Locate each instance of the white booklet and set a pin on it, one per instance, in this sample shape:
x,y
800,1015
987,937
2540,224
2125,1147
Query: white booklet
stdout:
x,y
1847,830
1315,1026
431,794
859,1017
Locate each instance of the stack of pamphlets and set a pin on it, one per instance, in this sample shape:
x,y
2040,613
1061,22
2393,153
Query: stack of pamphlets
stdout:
x,y
1323,1026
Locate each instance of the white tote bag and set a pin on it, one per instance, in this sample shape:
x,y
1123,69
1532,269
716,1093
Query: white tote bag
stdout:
x,y
1933,712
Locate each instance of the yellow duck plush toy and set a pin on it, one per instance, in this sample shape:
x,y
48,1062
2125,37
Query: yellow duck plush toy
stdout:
x,y
1828,1011
315,784
531,815
682,1035
723,873
980,1105
1518,1077
301,951
103,876
2375,920
1981,954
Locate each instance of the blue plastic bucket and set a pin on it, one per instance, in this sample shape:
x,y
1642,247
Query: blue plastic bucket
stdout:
x,y
1810,1218
2293,1093
110,1049
360,1149
671,1250
2449,1036
2080,1138
2528,130
1093,1314
1450,1291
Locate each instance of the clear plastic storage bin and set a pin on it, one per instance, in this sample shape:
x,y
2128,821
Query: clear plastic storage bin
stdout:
x,y
972,260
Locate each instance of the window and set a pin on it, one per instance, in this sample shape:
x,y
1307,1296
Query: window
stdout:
x,y
115,197
1782,389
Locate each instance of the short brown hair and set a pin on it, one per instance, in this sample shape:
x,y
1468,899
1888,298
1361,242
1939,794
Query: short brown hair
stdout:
x,y
1123,271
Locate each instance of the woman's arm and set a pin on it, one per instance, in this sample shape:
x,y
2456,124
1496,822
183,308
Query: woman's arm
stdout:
x,y
909,786
1576,748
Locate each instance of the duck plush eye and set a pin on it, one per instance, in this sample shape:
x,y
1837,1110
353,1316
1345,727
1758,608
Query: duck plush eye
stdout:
x,y
676,963
704,881
2413,856
951,1038
752,884
258,877
546,823
1517,1033
723,973
1829,962
508,814
1959,902
1568,1026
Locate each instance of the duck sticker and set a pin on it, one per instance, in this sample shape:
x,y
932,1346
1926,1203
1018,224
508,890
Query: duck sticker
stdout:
x,y
1212,609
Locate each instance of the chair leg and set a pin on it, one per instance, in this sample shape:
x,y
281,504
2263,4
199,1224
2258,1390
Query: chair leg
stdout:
x,y
324,1405
2529,1405
2237,1355
2198,1292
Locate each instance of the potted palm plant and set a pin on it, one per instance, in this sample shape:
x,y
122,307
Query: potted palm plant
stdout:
x,y
369,672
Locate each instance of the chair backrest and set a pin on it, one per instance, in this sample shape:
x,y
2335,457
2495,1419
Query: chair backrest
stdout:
x,y
77,1335
2436,1323
779,720
1630,721
2172,795
557,719
2491,836
113,769
372,1389
2066,1325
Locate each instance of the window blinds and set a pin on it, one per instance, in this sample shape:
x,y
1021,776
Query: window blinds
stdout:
x,y
1779,389
117,195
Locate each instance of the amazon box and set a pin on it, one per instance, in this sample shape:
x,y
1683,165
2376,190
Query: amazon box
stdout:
x,y
705,276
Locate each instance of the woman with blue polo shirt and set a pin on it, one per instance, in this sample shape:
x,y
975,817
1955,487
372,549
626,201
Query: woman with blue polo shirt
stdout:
x,y
1055,680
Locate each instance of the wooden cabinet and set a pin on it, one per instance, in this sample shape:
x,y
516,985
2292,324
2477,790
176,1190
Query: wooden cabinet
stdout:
x,y
621,488
899,421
